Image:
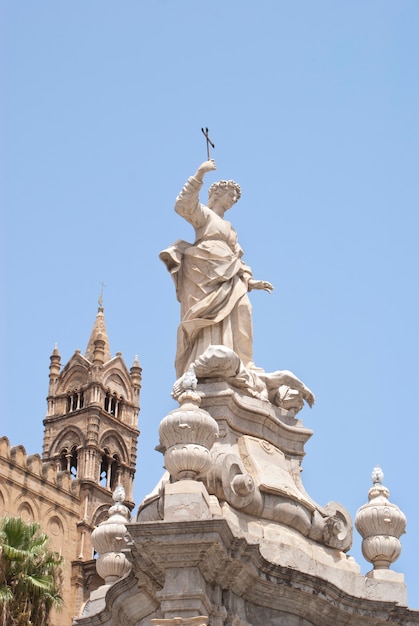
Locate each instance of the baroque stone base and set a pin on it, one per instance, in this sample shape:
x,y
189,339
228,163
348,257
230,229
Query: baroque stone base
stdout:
x,y
184,570
245,544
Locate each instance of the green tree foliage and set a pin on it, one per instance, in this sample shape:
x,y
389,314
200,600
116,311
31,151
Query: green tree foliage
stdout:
x,y
30,574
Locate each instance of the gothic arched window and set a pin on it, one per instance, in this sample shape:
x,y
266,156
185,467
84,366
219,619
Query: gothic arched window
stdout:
x,y
68,460
75,401
112,404
63,459
114,471
109,469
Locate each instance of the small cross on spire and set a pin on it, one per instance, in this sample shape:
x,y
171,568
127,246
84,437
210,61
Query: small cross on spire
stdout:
x,y
100,299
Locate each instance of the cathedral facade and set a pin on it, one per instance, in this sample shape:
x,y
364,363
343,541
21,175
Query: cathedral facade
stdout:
x,y
89,447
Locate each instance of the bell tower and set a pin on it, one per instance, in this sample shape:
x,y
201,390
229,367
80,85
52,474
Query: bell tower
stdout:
x,y
91,427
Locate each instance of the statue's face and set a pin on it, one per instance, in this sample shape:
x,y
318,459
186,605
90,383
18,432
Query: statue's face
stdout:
x,y
232,195
226,199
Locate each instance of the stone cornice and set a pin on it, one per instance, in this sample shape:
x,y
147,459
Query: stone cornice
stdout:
x,y
234,564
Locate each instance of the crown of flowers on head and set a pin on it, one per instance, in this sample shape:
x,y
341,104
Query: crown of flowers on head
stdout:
x,y
224,185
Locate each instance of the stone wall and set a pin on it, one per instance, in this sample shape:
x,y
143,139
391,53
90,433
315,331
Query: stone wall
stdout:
x,y
37,492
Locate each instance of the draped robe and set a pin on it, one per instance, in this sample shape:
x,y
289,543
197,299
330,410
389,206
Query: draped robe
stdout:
x,y
211,284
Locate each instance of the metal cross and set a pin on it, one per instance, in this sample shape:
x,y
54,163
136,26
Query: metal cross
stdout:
x,y
209,142
100,299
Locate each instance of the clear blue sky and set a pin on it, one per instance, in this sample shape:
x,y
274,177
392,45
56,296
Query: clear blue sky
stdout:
x,y
314,110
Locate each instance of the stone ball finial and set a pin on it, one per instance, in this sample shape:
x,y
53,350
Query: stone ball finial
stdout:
x,y
377,475
119,494
380,523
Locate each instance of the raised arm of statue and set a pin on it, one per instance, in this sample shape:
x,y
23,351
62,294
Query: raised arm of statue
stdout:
x,y
187,203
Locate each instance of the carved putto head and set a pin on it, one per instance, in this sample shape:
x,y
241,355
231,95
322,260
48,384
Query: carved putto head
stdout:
x,y
217,189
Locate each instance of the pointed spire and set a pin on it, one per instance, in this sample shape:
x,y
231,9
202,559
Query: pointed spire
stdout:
x,y
135,372
54,372
100,333
55,366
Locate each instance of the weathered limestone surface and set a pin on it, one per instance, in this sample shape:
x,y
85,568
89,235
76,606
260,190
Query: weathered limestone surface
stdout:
x,y
191,569
243,543
40,492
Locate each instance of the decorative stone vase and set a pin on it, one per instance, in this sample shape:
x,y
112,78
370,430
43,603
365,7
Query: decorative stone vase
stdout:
x,y
187,435
380,523
112,566
109,539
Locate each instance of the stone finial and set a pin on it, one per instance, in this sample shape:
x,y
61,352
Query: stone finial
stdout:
x,y
55,366
118,497
135,372
380,523
109,540
187,433
377,476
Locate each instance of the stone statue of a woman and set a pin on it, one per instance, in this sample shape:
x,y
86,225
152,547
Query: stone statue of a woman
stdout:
x,y
212,282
